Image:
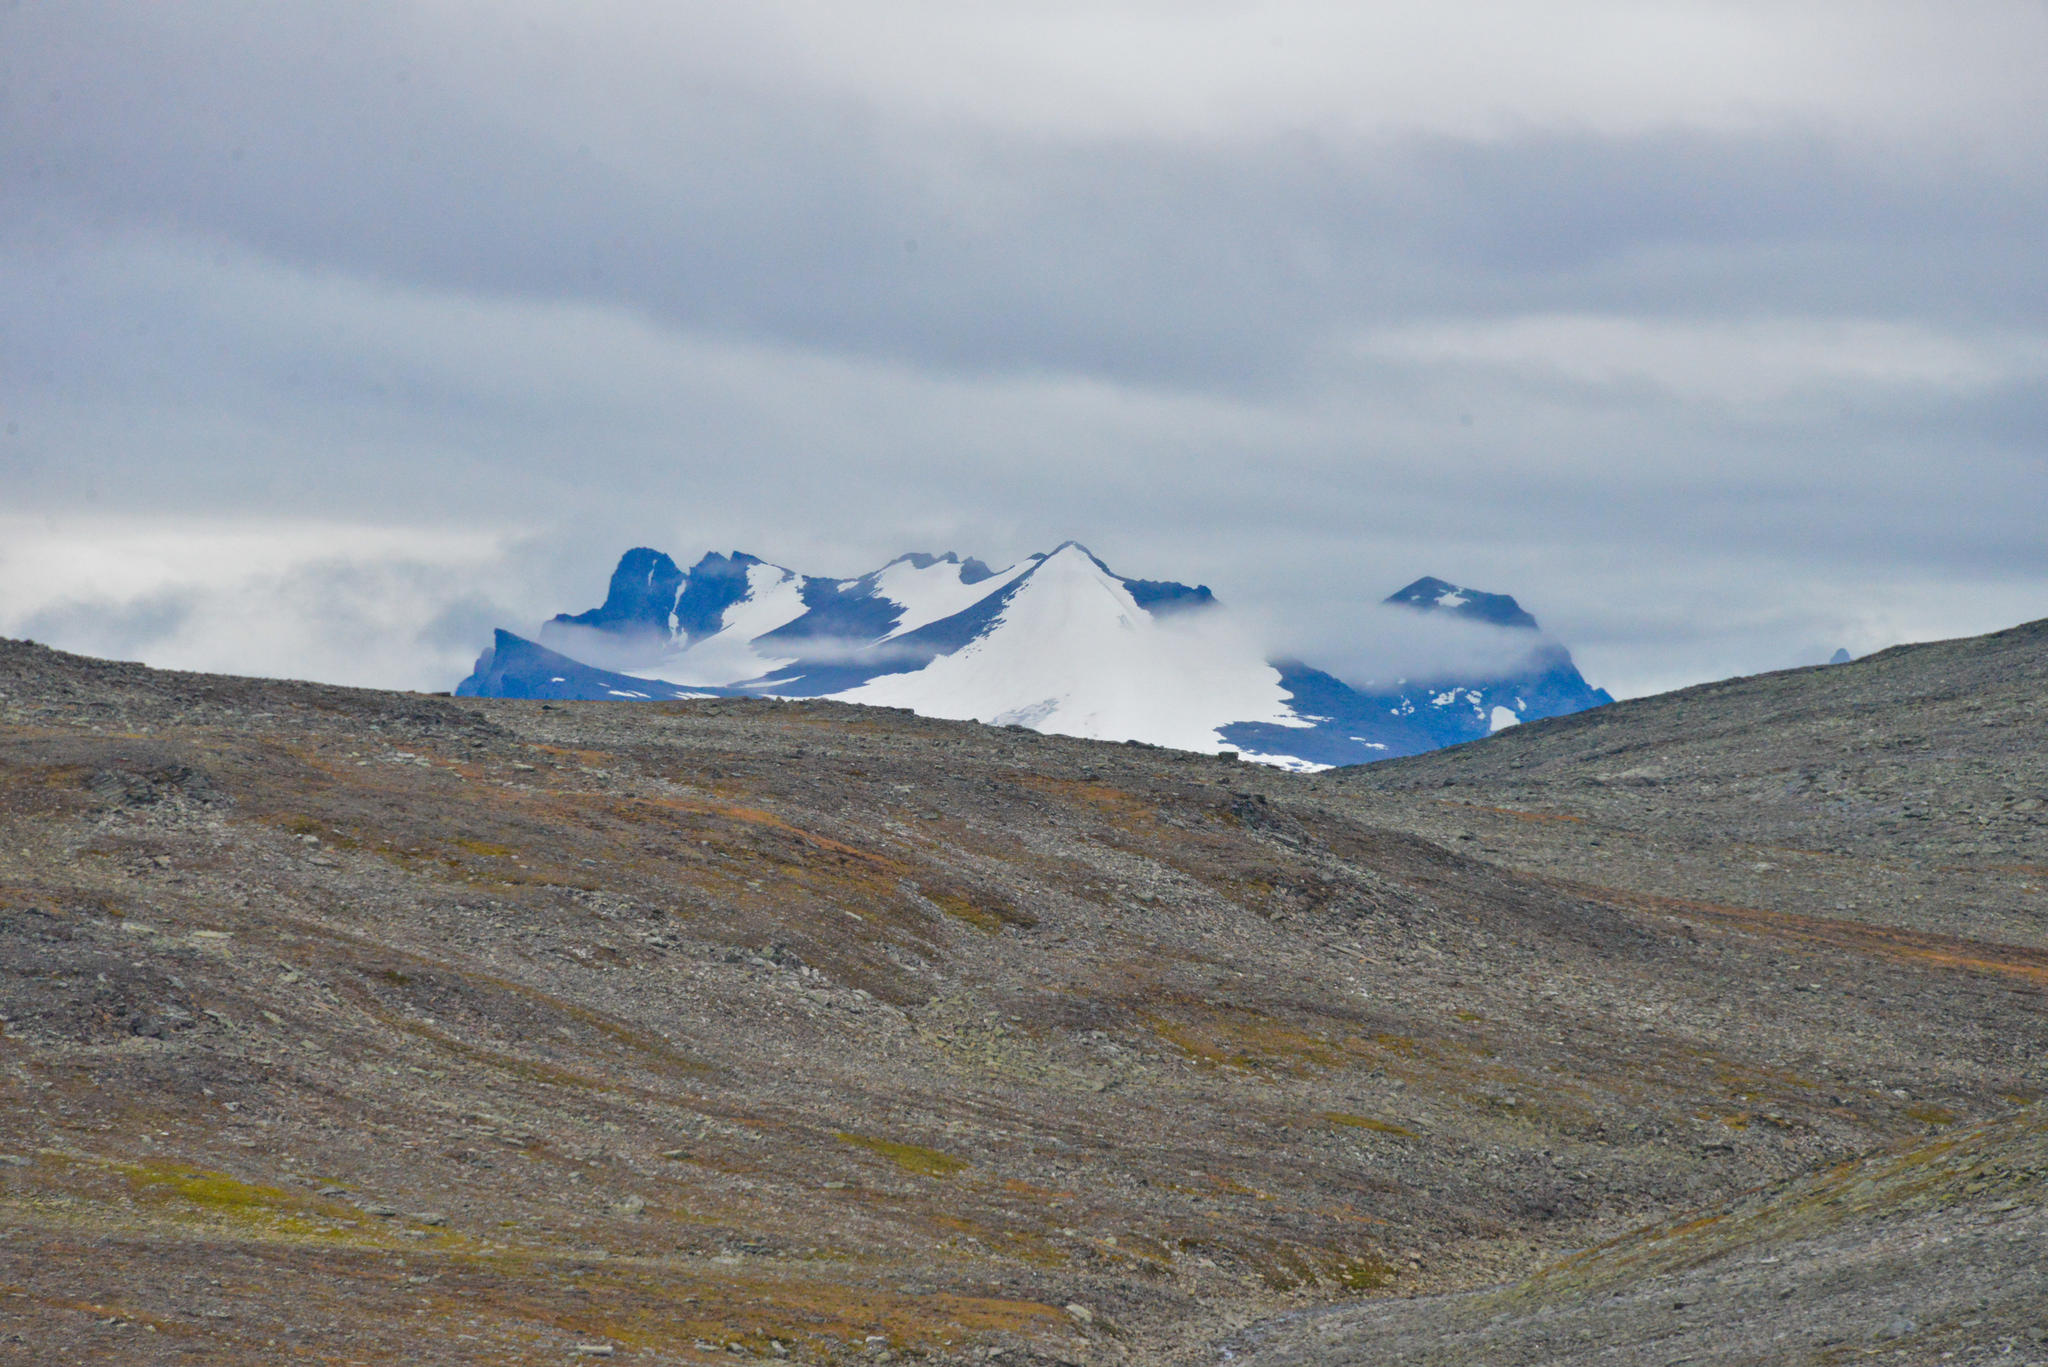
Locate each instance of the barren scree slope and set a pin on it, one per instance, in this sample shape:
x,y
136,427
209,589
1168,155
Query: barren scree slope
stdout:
x,y
352,1026
1894,809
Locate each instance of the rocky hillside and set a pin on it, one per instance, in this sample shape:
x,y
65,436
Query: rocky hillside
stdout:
x,y
1922,1254
1906,790
343,1025
1896,808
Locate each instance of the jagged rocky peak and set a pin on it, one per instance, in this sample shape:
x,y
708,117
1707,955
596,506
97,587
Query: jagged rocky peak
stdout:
x,y
972,571
641,599
1430,594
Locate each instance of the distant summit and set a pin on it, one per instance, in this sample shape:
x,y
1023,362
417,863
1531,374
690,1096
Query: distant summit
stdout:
x,y
641,600
1434,595
1058,642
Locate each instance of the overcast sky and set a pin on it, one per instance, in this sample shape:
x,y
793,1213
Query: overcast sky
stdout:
x,y
332,335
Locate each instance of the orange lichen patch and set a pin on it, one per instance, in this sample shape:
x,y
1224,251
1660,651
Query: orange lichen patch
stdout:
x,y
755,858
597,759
101,1310
31,788
508,820
1751,1081
1907,946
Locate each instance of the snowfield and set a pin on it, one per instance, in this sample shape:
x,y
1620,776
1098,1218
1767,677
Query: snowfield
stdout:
x,y
1073,653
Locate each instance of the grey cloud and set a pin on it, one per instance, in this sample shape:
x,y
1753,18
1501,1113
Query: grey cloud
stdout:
x,y
260,260
464,624
131,629
318,137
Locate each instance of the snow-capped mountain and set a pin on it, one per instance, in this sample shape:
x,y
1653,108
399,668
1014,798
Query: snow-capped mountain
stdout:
x,y
1057,642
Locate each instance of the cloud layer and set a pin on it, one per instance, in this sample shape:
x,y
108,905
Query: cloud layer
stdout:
x,y
1714,333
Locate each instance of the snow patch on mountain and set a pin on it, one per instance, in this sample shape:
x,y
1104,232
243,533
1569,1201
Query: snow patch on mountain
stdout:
x,y
773,598
931,588
1072,652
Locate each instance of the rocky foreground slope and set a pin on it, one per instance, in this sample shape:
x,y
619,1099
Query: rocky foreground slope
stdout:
x,y
1896,808
351,1026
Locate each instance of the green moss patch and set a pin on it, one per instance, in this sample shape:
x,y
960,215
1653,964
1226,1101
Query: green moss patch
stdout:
x,y
910,1157
1366,1122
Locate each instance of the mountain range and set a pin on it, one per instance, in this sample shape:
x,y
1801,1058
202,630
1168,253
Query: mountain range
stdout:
x,y
1056,643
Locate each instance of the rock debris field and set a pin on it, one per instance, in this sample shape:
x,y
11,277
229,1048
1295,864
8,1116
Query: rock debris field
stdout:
x,y
342,1026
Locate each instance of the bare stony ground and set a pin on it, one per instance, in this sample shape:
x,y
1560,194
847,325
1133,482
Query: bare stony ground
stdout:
x,y
344,1026
1907,790
1895,808
1931,1254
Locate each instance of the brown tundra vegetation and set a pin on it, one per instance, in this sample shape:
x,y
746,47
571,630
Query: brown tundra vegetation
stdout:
x,y
341,1026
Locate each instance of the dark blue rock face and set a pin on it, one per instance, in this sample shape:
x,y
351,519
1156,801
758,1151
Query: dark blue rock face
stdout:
x,y
642,595
1547,684
716,582
1429,594
1160,597
1349,727
1163,596
1554,685
514,667
840,613
815,678
1359,725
